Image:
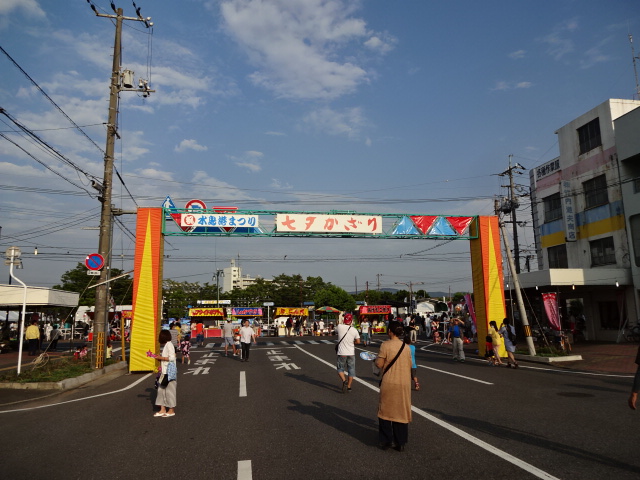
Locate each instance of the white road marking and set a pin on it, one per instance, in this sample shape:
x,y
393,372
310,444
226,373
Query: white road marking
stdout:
x,y
243,384
461,433
456,375
244,470
313,342
81,399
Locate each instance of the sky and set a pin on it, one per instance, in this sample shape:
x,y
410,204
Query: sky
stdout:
x,y
371,106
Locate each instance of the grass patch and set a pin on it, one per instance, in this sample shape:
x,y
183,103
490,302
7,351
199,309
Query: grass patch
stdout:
x,y
54,371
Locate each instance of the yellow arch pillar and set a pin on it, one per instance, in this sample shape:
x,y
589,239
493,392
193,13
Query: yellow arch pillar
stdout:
x,y
488,278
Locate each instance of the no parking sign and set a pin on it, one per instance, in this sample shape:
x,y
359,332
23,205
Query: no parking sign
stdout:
x,y
95,261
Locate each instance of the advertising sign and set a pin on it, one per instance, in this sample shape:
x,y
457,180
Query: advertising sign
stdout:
x,y
291,312
206,312
339,223
375,309
568,211
246,312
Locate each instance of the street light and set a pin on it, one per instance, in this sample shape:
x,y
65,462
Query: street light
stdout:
x,y
410,285
13,258
218,273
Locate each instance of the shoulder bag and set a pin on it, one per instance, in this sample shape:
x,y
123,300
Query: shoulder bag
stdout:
x,y
345,334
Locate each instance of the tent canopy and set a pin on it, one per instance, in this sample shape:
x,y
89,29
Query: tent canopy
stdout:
x,y
12,296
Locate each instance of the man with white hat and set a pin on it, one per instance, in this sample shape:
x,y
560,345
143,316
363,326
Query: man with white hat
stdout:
x,y
348,336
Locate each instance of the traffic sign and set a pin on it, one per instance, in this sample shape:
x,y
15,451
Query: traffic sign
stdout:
x,y
93,272
268,304
95,261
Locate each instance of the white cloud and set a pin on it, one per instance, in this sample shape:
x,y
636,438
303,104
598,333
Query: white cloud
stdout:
x,y
190,144
249,160
29,7
503,85
558,42
275,134
517,54
297,45
277,184
595,55
349,122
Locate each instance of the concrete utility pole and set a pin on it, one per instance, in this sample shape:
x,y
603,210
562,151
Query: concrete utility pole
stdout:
x,y
516,287
118,84
511,207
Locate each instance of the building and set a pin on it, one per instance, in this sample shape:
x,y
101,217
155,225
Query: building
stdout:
x,y
233,278
586,219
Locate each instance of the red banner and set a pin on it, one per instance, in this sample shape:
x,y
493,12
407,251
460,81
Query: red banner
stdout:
x,y
206,312
375,309
551,307
291,312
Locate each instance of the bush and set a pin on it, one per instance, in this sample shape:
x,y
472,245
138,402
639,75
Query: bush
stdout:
x,y
55,370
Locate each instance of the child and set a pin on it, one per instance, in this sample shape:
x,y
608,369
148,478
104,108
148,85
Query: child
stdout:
x,y
414,367
109,349
185,348
80,353
489,354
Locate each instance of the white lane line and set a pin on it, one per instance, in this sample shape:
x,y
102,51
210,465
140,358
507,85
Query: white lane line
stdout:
x,y
298,342
284,343
461,433
313,342
268,343
81,399
327,341
244,470
456,375
243,384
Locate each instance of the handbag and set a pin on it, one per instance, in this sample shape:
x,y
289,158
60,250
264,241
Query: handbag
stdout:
x,y
375,368
165,381
392,362
172,372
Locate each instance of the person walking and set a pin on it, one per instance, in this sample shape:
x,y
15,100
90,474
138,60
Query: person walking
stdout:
x,y
394,405
167,391
364,329
246,336
227,334
413,326
348,337
508,333
32,335
496,340
55,336
455,336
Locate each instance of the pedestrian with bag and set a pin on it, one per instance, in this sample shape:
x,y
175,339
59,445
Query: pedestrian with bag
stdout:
x,y
246,336
167,391
346,351
496,338
508,333
394,406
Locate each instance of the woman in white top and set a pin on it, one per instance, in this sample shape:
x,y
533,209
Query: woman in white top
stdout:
x,y
167,396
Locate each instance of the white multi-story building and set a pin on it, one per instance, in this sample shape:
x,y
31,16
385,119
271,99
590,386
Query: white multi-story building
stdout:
x,y
233,278
586,208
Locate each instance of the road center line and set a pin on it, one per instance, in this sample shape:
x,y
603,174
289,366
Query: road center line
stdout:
x,y
244,470
461,433
456,375
243,384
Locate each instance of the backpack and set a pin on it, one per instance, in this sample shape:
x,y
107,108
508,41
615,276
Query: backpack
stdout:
x,y
512,335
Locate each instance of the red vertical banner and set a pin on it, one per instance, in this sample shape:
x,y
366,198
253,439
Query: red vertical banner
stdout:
x,y
550,301
147,288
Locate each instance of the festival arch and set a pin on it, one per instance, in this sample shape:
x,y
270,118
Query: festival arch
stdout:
x,y
153,224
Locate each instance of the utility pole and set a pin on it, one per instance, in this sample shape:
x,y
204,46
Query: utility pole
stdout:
x,y
119,82
511,205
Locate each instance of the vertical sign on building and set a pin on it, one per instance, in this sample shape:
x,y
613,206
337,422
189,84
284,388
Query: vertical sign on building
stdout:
x,y
568,211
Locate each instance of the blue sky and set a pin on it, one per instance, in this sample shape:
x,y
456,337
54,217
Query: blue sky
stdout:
x,y
300,105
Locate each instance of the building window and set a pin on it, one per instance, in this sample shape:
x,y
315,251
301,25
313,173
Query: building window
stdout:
x,y
595,192
636,185
552,208
589,136
634,222
609,315
602,252
558,256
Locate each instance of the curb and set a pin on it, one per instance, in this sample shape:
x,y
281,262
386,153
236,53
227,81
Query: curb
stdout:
x,y
536,359
67,383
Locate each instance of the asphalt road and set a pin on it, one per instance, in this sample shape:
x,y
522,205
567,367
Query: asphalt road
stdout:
x,y
282,416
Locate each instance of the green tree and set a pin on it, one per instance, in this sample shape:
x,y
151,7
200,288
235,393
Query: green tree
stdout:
x,y
334,296
77,280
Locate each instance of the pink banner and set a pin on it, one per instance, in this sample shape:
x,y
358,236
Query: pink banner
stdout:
x,y
551,307
472,312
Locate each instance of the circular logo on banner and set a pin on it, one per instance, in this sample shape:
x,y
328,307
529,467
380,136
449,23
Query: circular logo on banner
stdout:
x,y
95,261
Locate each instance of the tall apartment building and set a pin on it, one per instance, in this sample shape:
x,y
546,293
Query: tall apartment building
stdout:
x,y
586,219
233,278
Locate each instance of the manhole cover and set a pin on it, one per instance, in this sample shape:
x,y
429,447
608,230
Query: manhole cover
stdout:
x,y
575,394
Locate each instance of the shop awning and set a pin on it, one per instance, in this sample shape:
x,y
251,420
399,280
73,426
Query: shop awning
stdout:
x,y
12,296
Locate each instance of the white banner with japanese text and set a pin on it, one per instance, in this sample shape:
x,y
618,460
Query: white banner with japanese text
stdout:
x,y
322,223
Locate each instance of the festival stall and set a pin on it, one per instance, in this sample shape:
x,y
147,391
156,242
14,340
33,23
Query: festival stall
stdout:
x,y
243,313
377,316
282,313
209,317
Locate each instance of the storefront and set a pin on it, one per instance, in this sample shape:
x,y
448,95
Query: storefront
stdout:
x,y
282,313
377,315
211,318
